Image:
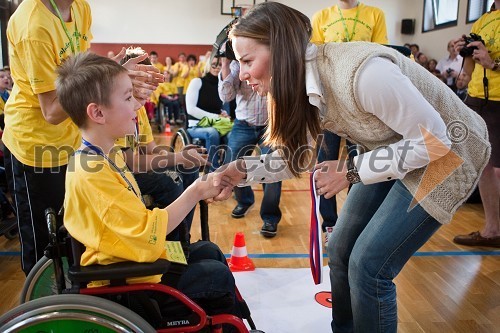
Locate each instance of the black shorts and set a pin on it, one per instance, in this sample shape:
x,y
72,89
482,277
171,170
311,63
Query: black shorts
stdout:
x,y
490,112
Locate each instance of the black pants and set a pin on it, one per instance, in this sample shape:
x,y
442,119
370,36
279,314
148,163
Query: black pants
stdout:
x,y
33,191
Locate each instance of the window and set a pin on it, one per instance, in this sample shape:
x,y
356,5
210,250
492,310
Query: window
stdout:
x,y
439,14
476,8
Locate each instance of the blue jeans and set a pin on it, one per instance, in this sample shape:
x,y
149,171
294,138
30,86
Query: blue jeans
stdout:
x,y
212,140
374,237
242,140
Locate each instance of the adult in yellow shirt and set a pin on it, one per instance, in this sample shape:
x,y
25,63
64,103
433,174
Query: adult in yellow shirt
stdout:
x,y
347,21
39,137
485,100
190,72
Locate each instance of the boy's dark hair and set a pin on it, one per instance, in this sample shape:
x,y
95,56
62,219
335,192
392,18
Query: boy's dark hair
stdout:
x,y
153,53
191,57
83,79
134,52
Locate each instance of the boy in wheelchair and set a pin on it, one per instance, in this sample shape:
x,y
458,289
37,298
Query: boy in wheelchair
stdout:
x,y
103,208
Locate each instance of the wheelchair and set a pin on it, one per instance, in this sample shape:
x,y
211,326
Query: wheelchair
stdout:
x,y
56,298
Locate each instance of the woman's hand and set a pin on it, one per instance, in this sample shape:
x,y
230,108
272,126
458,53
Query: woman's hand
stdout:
x,y
331,179
230,175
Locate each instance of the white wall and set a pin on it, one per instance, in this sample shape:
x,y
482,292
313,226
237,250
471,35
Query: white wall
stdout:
x,y
199,21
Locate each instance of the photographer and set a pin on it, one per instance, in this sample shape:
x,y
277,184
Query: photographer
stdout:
x,y
482,69
450,66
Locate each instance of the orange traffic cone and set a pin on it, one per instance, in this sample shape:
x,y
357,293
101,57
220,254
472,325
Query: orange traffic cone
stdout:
x,y
239,260
168,130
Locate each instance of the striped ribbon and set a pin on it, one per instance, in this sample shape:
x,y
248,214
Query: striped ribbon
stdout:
x,y
315,248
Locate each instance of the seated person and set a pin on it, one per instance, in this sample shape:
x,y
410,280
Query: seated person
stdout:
x,y
103,208
163,184
202,100
167,95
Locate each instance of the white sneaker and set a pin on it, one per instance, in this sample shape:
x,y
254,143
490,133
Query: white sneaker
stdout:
x,y
328,235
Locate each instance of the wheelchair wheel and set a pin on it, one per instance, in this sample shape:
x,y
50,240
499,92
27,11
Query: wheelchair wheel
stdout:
x,y
72,313
180,140
41,280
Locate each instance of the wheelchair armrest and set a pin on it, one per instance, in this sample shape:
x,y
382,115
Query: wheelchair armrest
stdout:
x,y
122,270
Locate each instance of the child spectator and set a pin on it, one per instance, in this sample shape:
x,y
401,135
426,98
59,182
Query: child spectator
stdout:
x,y
168,96
103,209
153,56
4,94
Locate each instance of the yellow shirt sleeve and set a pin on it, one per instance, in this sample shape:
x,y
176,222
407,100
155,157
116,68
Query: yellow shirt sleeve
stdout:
x,y
380,29
317,36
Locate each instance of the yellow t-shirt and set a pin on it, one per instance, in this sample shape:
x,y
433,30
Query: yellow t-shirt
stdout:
x,y
145,134
328,25
164,88
159,66
488,27
102,212
179,68
193,73
37,45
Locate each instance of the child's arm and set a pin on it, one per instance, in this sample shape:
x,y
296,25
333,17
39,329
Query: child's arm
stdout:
x,y
201,189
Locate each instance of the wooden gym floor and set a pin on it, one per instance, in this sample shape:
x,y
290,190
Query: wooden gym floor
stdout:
x,y
443,288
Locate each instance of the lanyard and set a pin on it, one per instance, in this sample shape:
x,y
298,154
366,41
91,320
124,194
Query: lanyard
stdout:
x,y
100,152
315,246
63,24
347,38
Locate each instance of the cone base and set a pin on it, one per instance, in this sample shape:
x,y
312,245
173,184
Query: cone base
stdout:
x,y
241,267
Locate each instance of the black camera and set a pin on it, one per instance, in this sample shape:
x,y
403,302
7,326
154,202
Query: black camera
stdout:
x,y
467,51
222,39
449,70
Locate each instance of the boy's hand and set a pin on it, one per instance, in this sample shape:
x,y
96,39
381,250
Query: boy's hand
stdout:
x,y
229,175
193,156
206,188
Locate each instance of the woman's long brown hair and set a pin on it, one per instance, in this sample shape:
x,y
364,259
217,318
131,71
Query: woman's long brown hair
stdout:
x,y
286,32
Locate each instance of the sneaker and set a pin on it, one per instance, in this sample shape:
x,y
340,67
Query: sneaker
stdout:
x,y
269,229
172,122
328,235
240,211
179,121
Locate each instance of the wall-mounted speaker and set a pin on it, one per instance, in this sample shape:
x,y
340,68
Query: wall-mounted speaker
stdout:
x,y
408,26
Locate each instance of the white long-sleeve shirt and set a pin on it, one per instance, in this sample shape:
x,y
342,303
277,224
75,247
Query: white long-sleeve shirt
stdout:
x,y
389,95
